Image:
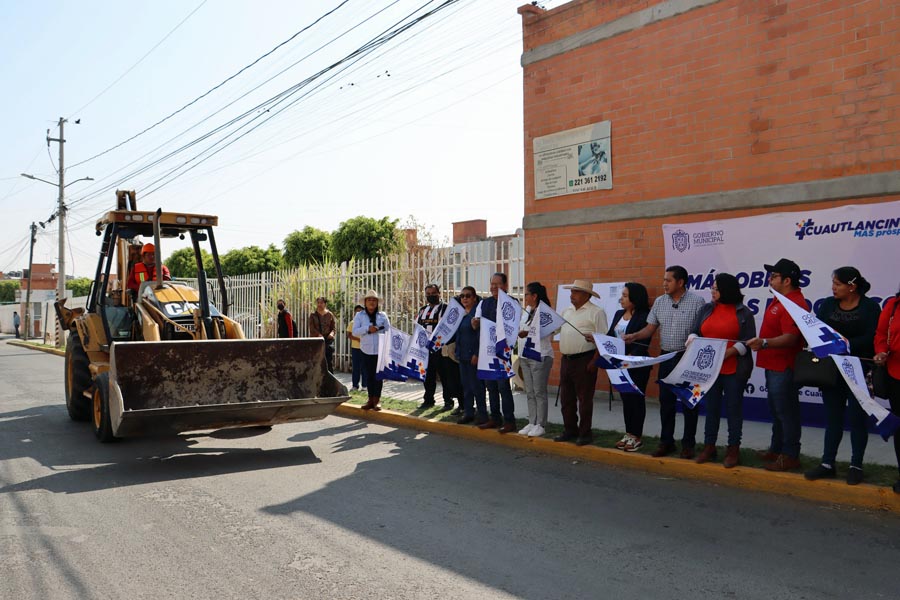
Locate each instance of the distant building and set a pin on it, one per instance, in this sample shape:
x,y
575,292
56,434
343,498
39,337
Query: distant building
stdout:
x,y
477,256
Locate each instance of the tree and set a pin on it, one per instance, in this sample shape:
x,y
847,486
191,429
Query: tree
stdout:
x,y
308,246
182,263
364,237
252,259
8,290
80,286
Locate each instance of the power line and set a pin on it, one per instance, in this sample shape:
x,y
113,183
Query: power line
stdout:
x,y
208,92
140,60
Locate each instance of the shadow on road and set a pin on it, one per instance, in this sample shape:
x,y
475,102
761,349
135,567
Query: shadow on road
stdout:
x,y
81,464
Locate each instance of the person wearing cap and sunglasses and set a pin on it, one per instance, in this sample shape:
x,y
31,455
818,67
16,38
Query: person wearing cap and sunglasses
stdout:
x,y
146,269
674,314
776,348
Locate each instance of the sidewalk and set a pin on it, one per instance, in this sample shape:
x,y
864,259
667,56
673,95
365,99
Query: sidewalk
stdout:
x,y
756,434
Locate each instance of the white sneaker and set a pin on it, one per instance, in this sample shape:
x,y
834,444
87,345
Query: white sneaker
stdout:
x,y
633,445
526,430
536,431
624,441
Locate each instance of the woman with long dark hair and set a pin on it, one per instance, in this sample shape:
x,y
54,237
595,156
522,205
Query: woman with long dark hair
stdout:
x,y
855,316
726,317
368,326
635,303
887,348
535,373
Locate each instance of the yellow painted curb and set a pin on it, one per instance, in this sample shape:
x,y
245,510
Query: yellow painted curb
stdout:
x,y
866,496
38,348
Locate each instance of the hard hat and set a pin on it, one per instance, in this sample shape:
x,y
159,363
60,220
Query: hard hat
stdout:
x,y
148,248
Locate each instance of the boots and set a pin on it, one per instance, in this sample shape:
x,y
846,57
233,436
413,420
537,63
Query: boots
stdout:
x,y
368,405
375,402
707,454
732,457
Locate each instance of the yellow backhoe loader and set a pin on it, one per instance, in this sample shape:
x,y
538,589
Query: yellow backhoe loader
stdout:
x,y
163,359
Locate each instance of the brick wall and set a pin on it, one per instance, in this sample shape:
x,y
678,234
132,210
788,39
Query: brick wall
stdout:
x,y
734,95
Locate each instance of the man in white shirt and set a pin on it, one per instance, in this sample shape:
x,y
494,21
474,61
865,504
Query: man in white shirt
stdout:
x,y
578,371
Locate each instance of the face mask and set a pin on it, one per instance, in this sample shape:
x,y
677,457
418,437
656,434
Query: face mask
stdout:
x,y
433,299
281,307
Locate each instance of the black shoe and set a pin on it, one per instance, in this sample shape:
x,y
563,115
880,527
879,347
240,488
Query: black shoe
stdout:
x,y
854,476
565,437
427,404
584,440
465,420
447,407
819,472
458,411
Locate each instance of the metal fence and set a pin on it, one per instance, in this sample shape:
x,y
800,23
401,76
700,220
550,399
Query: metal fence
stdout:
x,y
399,279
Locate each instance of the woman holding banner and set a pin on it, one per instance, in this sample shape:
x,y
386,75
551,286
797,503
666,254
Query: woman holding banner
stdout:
x,y
467,342
535,373
855,316
887,347
726,318
368,326
635,304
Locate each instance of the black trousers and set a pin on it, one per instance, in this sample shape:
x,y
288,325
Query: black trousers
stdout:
x,y
448,370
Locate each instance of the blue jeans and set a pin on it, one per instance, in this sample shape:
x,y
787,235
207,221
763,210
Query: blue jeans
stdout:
x,y
835,400
730,389
473,391
505,403
359,371
784,404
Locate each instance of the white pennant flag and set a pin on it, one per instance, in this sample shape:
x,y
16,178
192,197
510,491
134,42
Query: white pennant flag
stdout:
x,y
609,359
619,378
415,363
491,366
390,354
697,370
822,339
551,320
886,422
447,326
509,313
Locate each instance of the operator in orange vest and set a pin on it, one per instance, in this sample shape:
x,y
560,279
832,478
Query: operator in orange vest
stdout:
x,y
146,269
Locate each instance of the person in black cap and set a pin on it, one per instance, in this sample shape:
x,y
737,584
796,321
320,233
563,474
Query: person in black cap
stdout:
x,y
777,346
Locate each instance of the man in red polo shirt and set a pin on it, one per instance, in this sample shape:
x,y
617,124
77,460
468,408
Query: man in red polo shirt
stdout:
x,y
776,348
146,269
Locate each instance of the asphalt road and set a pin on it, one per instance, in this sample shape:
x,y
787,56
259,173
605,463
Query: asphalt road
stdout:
x,y
344,509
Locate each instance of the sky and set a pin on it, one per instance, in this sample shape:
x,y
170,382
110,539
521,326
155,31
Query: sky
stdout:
x,y
272,115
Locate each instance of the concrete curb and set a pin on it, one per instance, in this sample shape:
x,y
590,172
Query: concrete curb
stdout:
x,y
38,348
865,496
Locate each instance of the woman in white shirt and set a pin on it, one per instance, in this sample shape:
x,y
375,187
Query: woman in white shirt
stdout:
x,y
368,326
535,373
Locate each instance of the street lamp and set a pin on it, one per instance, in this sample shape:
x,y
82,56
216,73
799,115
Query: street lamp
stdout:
x,y
61,284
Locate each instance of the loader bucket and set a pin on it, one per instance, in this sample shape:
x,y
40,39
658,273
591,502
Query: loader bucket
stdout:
x,y
169,387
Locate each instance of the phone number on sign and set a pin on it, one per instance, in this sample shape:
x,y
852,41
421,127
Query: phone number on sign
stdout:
x,y
586,180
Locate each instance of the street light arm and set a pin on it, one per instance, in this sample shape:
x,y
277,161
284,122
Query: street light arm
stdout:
x,y
27,176
77,180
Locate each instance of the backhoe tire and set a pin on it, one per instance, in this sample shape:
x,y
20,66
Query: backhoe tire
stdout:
x,y
101,420
77,380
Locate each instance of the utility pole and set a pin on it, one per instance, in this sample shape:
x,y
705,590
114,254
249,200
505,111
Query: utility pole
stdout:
x,y
61,284
28,293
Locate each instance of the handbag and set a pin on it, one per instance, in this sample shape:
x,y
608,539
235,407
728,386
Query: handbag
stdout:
x,y
880,376
812,371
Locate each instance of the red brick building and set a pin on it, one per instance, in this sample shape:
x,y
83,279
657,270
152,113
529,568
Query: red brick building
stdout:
x,y
717,109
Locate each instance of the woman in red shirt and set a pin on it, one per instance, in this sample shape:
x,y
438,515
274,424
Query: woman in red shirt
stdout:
x,y
887,352
727,318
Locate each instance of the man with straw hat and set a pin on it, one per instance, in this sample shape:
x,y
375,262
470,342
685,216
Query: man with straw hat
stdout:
x,y
578,373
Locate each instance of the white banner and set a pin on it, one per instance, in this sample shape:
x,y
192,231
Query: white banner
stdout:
x,y
573,161
544,323
697,370
391,350
491,366
415,363
850,368
619,378
821,338
509,313
864,236
447,326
